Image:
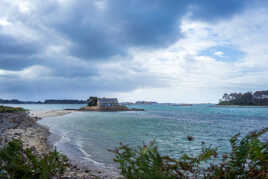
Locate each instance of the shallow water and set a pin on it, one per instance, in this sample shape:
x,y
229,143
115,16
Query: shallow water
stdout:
x,y
86,136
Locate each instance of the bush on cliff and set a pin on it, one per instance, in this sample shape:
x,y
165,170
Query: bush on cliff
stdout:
x,y
7,109
19,163
248,159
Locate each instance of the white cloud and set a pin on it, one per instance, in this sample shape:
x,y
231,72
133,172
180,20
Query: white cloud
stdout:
x,y
197,78
33,72
219,53
24,6
4,22
101,4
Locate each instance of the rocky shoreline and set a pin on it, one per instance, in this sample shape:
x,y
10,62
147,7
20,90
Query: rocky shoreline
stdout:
x,y
24,126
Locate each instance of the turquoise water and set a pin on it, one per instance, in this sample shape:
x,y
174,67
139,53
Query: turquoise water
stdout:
x,y
89,134
86,136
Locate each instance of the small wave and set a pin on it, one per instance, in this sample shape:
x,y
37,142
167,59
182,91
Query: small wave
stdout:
x,y
63,137
65,144
87,156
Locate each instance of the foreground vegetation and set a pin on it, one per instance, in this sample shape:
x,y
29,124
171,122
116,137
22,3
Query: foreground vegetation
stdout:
x,y
7,109
19,163
248,159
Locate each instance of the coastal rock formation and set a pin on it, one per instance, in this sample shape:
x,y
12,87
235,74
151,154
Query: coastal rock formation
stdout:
x,y
106,105
19,125
109,109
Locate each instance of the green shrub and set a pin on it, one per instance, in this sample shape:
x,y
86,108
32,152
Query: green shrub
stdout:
x,y
248,159
7,109
19,163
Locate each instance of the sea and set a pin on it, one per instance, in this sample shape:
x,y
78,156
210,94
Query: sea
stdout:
x,y
87,136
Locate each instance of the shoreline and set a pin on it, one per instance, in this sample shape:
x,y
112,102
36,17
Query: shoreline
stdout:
x,y
81,170
237,106
25,126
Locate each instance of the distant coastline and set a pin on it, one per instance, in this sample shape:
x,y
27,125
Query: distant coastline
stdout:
x,y
239,106
47,101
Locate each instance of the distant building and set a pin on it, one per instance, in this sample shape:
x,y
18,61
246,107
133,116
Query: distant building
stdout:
x,y
107,102
261,95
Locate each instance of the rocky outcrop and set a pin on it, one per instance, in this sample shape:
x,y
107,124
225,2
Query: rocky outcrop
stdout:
x,y
19,125
109,108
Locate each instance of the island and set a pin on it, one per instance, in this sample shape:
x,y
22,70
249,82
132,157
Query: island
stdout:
x,y
145,102
106,105
258,98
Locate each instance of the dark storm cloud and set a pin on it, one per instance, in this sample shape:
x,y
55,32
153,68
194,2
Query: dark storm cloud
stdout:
x,y
208,10
16,62
16,54
68,68
97,33
147,23
92,35
12,46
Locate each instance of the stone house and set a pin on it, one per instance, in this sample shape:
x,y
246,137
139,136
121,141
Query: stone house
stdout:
x,y
107,102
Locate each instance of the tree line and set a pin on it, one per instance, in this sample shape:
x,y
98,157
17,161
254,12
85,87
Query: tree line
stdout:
x,y
47,101
259,98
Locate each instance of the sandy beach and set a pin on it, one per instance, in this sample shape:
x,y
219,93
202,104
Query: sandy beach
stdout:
x,y
49,113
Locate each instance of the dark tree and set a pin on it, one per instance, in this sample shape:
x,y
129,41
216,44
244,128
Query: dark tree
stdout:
x,y
248,98
92,101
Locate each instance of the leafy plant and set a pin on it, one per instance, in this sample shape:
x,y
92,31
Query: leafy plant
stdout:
x,y
248,159
19,163
7,109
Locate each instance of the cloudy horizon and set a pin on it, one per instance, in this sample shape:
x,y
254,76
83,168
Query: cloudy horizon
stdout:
x,y
185,51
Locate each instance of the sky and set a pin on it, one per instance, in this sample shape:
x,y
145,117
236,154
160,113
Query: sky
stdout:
x,y
183,51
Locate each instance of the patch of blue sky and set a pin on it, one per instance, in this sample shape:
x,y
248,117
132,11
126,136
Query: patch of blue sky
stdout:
x,y
223,53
